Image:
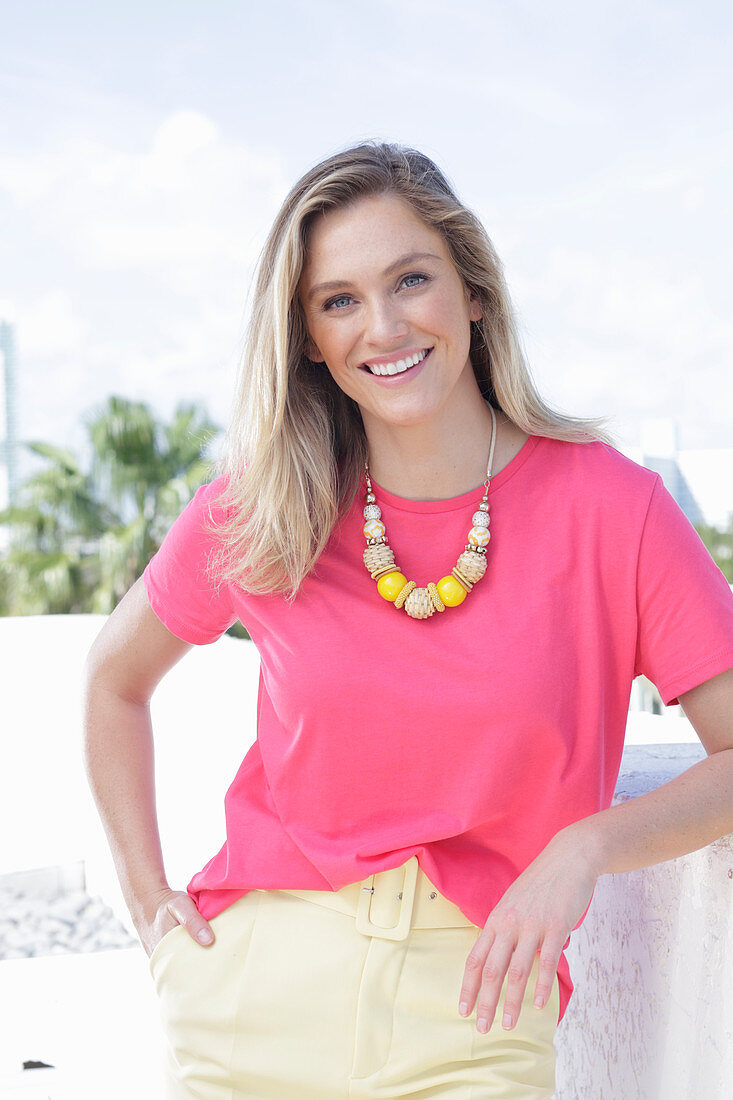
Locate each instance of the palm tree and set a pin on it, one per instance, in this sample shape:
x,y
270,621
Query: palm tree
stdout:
x,y
719,541
148,471
48,568
79,540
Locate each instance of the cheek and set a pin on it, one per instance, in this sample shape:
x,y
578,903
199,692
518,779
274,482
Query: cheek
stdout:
x,y
336,359
346,382
336,347
444,314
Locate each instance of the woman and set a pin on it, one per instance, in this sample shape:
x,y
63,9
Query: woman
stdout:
x,y
422,819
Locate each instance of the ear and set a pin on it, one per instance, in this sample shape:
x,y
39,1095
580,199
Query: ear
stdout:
x,y
313,352
475,311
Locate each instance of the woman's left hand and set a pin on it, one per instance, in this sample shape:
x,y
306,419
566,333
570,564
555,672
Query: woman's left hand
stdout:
x,y
537,913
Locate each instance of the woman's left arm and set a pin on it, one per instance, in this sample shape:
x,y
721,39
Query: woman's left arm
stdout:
x,y
543,905
690,811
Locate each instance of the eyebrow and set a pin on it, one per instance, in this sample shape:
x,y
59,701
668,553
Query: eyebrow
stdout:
x,y
342,284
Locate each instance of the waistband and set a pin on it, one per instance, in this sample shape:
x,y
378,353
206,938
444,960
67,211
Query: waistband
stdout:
x,y
389,903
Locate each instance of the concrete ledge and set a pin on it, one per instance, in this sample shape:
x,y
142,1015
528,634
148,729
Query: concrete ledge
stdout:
x,y
652,1013
651,1017
93,1018
644,767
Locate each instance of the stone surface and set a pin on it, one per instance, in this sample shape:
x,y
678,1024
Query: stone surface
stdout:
x,y
651,1017
70,923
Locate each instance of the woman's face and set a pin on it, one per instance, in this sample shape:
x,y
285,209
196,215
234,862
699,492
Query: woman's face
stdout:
x,y
393,292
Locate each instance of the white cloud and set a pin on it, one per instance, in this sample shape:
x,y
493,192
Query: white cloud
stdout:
x,y
623,299
48,325
190,206
693,198
621,335
170,232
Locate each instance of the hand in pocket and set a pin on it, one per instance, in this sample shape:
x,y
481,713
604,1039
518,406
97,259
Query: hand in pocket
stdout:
x,y
162,911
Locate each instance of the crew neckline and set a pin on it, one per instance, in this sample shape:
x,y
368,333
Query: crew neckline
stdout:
x,y
451,504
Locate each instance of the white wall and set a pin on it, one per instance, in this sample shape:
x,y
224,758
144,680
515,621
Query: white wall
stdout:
x,y
204,720
652,1013
203,714
651,1017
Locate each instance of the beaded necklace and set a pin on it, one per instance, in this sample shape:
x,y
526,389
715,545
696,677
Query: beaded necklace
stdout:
x,y
450,591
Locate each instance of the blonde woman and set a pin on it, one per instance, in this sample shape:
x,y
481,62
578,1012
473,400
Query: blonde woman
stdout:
x,y
451,588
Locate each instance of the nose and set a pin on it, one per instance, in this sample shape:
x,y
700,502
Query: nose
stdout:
x,y
384,324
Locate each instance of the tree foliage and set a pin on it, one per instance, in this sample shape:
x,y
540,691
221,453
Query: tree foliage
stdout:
x,y
80,538
719,542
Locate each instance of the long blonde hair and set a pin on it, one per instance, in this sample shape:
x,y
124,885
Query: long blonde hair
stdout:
x,y
295,445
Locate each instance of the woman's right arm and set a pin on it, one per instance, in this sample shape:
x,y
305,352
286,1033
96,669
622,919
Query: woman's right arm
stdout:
x,y
129,657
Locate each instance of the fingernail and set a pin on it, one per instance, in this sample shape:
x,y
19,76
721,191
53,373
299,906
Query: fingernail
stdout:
x,y
539,1001
204,936
482,1024
507,1020
463,1008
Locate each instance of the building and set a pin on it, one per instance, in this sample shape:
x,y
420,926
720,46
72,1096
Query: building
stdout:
x,y
700,480
8,416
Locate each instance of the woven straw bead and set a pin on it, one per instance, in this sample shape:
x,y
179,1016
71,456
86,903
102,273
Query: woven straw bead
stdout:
x,y
378,556
404,593
473,566
435,596
419,605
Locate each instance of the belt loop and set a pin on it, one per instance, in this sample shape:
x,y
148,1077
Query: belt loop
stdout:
x,y
399,931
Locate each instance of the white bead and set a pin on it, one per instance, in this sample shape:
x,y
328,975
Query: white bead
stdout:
x,y
372,511
478,536
374,529
480,519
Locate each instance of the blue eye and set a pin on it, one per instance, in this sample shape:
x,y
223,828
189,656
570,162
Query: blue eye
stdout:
x,y
416,275
347,297
332,301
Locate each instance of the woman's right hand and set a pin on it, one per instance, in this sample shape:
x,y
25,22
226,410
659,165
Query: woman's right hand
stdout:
x,y
162,911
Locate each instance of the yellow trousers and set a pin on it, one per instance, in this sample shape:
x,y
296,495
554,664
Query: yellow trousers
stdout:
x,y
344,995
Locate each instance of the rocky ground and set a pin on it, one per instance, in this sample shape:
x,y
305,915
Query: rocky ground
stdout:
x,y
68,923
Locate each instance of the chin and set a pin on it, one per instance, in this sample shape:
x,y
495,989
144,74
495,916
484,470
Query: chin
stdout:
x,y
404,418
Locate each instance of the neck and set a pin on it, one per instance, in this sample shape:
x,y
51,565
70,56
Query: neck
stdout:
x,y
443,458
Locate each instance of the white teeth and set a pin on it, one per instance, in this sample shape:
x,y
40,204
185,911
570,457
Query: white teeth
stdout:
x,y
401,364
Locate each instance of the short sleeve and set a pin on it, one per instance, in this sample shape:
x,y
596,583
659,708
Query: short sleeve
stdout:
x,y
179,590
684,603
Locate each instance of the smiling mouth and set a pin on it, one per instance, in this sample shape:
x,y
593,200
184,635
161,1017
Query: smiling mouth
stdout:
x,y
401,366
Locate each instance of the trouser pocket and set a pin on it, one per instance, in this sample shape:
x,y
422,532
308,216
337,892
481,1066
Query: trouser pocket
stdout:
x,y
199,989
163,945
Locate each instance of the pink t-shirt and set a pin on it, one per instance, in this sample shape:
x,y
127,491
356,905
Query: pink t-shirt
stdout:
x,y
470,738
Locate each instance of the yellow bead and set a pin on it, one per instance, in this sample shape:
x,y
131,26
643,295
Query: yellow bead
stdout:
x,y
451,591
391,584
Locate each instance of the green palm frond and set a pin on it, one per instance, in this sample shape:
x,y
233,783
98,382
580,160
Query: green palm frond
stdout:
x,y
78,540
719,542
63,458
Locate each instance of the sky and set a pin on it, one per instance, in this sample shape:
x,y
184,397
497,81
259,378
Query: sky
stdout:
x,y
145,150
